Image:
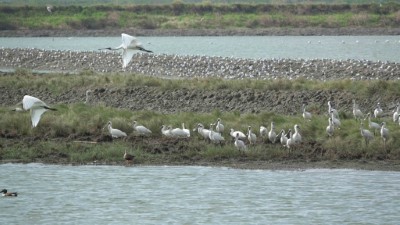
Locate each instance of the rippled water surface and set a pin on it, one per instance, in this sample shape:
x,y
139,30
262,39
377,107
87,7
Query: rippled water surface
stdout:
x,y
384,48
51,194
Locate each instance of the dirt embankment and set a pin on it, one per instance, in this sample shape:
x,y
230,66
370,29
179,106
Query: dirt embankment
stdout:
x,y
307,31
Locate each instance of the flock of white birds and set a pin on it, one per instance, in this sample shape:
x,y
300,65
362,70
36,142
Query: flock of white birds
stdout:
x,y
216,130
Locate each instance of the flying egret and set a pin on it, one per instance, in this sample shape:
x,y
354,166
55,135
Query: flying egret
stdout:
x,y
384,134
306,115
219,127
36,106
356,111
234,133
371,124
239,144
140,129
378,110
115,133
272,133
396,113
366,134
251,136
129,45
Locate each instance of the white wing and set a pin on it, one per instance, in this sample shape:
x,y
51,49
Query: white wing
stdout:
x,y
128,40
29,101
127,57
36,114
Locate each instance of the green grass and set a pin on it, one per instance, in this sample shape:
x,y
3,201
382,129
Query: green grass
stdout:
x,y
196,16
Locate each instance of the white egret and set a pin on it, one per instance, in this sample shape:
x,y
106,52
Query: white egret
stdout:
x,y
283,138
219,127
378,110
336,122
272,133
384,134
372,125
215,137
129,45
297,136
49,8
36,106
306,115
330,128
115,133
239,144
263,131
396,113
356,111
290,142
251,136
332,110
87,99
205,133
177,132
187,131
234,133
140,129
366,134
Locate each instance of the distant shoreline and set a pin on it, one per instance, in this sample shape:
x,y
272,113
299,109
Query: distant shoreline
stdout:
x,y
309,31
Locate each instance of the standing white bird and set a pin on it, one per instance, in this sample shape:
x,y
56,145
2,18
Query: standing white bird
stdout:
x,y
372,125
336,122
251,136
219,127
384,134
140,129
378,110
87,99
330,128
205,133
396,113
332,110
215,137
366,134
290,142
36,106
356,111
263,131
234,133
129,45
297,136
272,133
187,131
283,138
165,131
115,133
306,115
178,132
239,144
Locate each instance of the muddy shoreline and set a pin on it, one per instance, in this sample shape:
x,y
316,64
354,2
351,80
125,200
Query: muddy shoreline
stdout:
x,y
274,31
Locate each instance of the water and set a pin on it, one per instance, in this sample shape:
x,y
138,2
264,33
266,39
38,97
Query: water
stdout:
x,y
54,194
374,48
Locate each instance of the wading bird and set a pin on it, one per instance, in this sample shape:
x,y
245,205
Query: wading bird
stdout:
x,y
378,110
396,113
36,106
128,158
115,133
330,128
239,144
372,125
306,115
129,45
272,133
356,111
251,136
140,129
219,127
366,134
234,134
384,134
